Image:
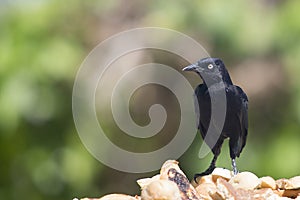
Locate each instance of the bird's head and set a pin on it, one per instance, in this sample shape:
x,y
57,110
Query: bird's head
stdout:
x,y
210,70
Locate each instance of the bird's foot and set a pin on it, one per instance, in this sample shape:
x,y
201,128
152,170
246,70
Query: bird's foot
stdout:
x,y
206,172
234,168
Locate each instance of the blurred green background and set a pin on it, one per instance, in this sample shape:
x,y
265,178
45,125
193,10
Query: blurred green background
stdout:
x,y
42,44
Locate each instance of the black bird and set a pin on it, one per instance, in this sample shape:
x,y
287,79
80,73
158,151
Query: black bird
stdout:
x,y
217,82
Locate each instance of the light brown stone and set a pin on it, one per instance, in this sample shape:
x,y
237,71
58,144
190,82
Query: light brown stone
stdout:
x,y
284,184
268,182
221,172
146,181
295,181
118,197
206,190
161,190
225,190
245,180
169,164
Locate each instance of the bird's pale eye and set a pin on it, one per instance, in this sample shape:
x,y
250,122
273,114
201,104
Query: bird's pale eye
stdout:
x,y
210,66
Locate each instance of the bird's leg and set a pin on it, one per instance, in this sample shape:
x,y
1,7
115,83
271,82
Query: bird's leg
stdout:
x,y
209,170
235,170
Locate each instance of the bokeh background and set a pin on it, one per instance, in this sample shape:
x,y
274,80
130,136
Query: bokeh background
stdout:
x,y
42,44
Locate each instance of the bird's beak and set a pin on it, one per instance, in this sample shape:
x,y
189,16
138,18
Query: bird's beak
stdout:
x,y
191,67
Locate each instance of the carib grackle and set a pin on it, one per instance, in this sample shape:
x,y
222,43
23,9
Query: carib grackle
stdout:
x,y
216,80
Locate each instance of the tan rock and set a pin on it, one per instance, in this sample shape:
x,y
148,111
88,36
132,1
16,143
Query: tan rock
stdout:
x,y
206,190
279,192
172,184
289,184
187,191
118,197
243,194
146,181
221,172
161,190
245,180
268,182
282,198
284,184
264,193
169,164
295,181
202,180
226,190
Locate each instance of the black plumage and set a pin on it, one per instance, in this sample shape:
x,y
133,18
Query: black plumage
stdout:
x,y
217,82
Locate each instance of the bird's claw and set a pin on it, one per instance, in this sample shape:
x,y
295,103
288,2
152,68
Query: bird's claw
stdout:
x,y
206,172
198,175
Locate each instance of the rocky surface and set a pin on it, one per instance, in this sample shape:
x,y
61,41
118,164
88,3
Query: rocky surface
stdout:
x,y
172,184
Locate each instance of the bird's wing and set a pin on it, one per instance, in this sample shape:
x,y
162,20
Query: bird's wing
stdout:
x,y
244,116
199,94
196,104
